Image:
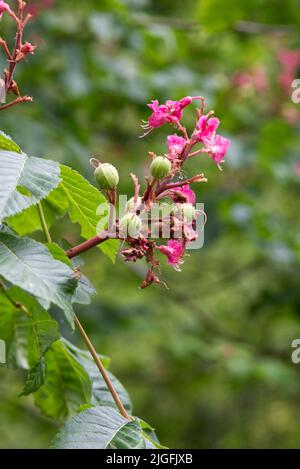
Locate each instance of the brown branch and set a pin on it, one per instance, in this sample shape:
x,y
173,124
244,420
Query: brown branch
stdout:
x,y
86,245
166,187
22,99
4,45
101,368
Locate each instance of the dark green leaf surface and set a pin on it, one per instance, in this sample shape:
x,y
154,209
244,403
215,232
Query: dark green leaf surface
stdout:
x,y
29,265
67,385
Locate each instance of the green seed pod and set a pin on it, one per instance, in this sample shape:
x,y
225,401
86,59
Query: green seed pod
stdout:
x,y
132,206
160,167
186,211
130,225
107,176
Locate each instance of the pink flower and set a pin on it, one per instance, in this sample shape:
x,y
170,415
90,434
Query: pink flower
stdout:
x,y
174,251
207,127
171,112
290,62
175,145
255,79
186,192
4,7
217,147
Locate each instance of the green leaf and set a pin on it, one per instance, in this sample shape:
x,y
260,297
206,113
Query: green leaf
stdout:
x,y
24,181
84,288
35,378
84,200
95,428
27,329
67,385
6,143
101,394
54,207
29,265
102,428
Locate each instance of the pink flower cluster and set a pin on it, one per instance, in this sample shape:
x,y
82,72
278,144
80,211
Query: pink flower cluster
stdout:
x,y
203,140
171,113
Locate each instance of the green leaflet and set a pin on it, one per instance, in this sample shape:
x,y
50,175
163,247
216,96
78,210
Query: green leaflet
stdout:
x,y
29,265
84,200
54,206
67,386
6,143
101,428
84,288
24,181
101,394
28,330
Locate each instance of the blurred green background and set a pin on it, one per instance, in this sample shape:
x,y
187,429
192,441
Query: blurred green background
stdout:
x,y
207,362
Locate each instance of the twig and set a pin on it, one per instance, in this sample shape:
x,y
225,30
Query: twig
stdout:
x,y
86,245
22,99
101,368
173,185
43,223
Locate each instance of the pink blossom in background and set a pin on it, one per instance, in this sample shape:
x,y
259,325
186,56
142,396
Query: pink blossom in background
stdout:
x,y
171,112
290,63
175,145
207,127
184,191
174,251
291,115
297,168
256,79
217,147
36,6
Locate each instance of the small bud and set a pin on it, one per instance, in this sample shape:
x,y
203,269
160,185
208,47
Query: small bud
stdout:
x,y
107,176
131,225
160,167
132,205
186,211
28,48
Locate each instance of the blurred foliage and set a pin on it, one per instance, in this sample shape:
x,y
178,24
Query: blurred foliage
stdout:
x,y
207,362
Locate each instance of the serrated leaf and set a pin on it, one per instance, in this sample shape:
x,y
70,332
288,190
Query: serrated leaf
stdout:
x,y
84,200
6,143
101,394
54,207
24,181
27,329
101,428
83,354
35,378
94,428
67,385
84,288
29,265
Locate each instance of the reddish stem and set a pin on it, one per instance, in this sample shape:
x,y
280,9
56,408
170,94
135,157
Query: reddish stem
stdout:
x,y
23,99
173,185
86,245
